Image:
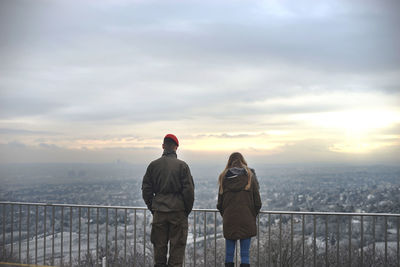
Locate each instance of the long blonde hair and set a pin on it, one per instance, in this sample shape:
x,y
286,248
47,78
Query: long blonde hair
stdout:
x,y
235,160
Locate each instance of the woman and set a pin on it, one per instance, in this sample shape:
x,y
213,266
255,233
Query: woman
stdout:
x,y
239,203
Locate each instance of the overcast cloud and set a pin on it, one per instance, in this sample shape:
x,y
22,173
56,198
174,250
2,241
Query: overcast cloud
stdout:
x,y
272,74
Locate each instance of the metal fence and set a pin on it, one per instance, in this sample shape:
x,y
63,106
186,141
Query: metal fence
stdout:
x,y
84,235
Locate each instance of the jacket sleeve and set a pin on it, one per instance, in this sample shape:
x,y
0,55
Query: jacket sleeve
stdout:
x,y
187,189
147,189
219,203
256,193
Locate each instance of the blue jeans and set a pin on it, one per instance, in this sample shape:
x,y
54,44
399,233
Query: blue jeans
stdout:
x,y
244,250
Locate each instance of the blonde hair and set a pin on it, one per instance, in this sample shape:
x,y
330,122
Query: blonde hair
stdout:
x,y
235,160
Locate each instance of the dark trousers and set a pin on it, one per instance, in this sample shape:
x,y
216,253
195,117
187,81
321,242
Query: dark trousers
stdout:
x,y
172,228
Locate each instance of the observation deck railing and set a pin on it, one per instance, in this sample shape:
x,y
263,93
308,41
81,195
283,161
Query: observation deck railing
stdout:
x,y
84,235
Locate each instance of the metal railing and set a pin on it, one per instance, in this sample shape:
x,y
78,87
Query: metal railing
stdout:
x,y
83,235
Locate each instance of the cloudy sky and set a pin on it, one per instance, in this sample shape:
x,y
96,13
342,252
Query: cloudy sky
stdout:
x,y
281,81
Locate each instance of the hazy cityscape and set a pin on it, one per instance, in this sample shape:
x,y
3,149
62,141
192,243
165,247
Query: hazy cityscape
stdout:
x,y
322,188
348,188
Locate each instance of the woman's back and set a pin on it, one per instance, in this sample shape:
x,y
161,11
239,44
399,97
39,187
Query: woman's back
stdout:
x,y
239,206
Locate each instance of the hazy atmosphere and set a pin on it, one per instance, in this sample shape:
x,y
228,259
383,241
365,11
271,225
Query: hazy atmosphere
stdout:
x,y
280,81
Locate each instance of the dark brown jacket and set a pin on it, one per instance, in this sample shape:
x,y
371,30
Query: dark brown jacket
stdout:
x,y
239,207
168,185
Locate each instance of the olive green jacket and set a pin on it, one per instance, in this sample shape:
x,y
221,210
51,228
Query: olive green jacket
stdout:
x,y
168,185
239,207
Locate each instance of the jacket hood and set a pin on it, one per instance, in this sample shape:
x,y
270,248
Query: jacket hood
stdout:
x,y
234,172
235,179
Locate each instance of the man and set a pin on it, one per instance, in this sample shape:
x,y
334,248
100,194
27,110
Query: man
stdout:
x,y
168,191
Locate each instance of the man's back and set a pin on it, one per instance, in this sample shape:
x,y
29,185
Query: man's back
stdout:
x,y
168,185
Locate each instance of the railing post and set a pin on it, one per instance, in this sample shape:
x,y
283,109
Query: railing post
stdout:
x,y
302,239
386,248
269,239
79,236
280,240
194,238
326,241
315,240
215,238
88,234
115,235
70,236
19,233
97,236
28,225
62,237
338,261
52,233
125,223
144,238
373,239
258,240
398,241
350,219
44,234
134,242
107,232
36,234
4,206
204,239
362,242
236,252
291,240
12,230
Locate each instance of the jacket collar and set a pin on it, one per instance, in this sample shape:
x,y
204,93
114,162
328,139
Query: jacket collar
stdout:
x,y
170,154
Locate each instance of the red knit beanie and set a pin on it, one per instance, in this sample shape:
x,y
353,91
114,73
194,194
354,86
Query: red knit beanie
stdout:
x,y
173,137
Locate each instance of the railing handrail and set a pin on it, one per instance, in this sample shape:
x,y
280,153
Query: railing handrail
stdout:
x,y
204,210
